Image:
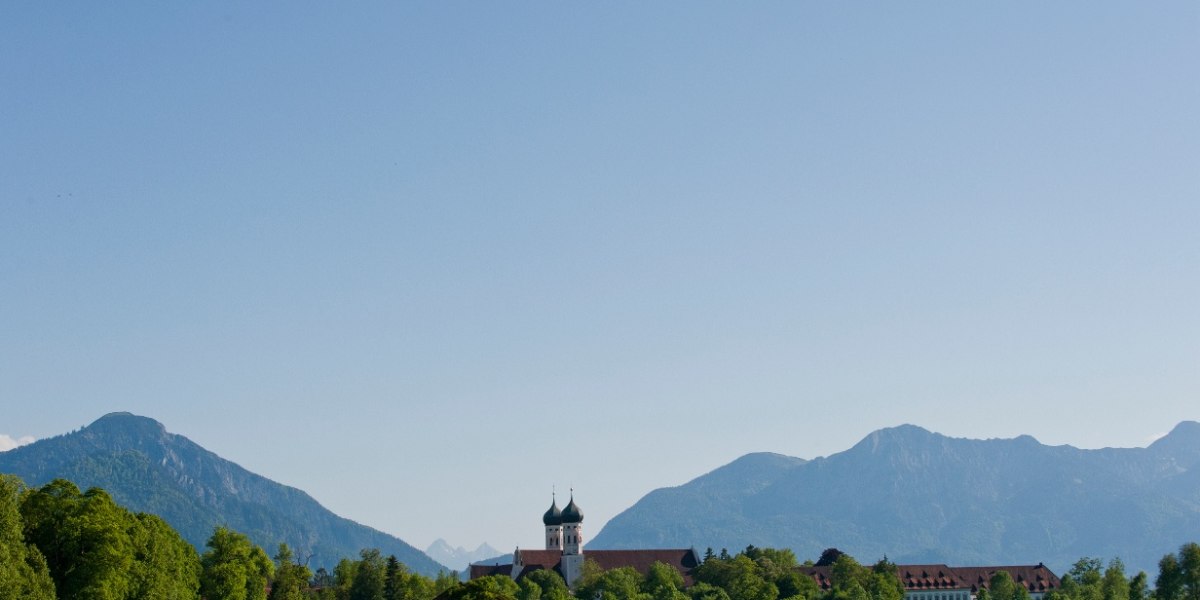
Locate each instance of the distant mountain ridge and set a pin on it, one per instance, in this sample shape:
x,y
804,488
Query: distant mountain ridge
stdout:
x,y
458,558
922,497
147,469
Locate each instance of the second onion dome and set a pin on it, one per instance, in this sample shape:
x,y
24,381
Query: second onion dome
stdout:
x,y
572,514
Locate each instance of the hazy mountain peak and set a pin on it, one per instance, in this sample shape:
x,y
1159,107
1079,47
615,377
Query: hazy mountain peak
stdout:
x,y
766,459
751,471
1182,444
147,469
126,418
459,558
894,437
126,424
1189,430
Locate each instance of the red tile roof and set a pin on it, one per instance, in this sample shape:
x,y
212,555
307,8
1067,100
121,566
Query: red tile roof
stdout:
x,y
929,577
485,570
1035,578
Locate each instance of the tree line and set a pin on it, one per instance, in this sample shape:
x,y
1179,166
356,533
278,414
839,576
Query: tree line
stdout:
x,y
60,543
775,574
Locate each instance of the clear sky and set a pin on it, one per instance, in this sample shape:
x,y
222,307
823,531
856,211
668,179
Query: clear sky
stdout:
x,y
427,260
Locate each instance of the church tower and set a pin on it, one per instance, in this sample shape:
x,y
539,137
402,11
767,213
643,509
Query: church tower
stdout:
x,y
554,528
572,536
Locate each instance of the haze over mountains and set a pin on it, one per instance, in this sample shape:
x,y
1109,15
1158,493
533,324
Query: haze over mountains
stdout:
x,y
903,492
459,558
922,497
147,469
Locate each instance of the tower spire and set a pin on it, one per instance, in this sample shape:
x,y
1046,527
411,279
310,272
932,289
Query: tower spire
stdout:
x,y
553,522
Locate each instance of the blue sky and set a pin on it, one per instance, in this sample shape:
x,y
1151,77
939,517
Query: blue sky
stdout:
x,y
425,261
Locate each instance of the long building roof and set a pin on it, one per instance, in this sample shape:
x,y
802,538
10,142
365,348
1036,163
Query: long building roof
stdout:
x,y
1034,578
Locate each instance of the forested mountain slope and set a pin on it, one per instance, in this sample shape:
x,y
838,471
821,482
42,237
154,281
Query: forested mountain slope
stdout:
x,y
921,497
147,469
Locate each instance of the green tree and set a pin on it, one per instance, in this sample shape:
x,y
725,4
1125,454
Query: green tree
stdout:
x,y
1189,562
1085,580
549,583
1002,587
343,578
745,581
706,591
84,539
588,576
663,582
443,582
882,582
774,564
844,572
291,579
623,583
1138,587
393,579
166,567
234,568
1169,585
24,574
1114,585
528,590
492,587
1087,571
828,556
370,577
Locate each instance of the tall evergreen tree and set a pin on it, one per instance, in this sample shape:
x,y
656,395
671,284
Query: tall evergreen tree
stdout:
x,y
393,584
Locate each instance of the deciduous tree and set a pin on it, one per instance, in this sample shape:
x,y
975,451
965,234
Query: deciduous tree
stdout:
x,y
24,574
234,568
84,539
291,579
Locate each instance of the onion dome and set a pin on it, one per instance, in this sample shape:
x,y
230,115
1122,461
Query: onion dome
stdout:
x,y
572,514
552,516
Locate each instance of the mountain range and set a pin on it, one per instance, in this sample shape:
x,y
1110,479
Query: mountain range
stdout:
x,y
459,558
903,492
147,469
921,497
